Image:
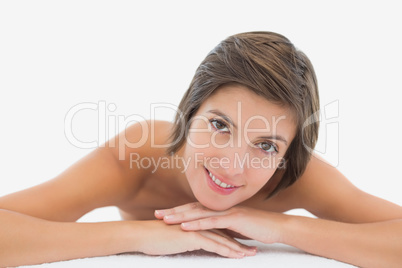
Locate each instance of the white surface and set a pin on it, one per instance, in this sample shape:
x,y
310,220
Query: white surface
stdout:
x,y
277,255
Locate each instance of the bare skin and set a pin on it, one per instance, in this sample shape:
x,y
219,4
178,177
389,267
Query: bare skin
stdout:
x,y
108,177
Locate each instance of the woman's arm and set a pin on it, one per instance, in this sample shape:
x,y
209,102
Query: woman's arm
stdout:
x,y
366,244
27,240
37,224
376,244
355,227
360,228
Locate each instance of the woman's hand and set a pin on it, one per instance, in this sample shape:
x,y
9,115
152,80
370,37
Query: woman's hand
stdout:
x,y
250,223
163,239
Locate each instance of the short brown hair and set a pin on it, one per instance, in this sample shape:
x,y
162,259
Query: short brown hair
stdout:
x,y
268,64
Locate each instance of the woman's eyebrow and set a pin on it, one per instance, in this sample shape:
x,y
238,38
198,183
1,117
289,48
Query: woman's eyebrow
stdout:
x,y
219,113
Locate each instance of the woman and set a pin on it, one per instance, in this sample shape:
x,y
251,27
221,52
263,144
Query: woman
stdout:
x,y
236,157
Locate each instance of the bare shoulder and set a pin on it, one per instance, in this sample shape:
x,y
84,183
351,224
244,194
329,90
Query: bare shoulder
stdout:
x,y
104,177
325,192
147,137
143,140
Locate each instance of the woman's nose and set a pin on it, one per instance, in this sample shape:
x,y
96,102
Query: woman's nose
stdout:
x,y
234,161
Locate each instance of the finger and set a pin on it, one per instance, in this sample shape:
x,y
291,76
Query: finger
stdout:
x,y
214,222
160,213
214,246
230,242
191,215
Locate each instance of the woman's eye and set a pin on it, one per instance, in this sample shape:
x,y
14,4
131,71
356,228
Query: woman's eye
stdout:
x,y
220,126
267,147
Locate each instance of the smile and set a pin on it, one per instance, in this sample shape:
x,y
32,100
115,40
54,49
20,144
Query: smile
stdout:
x,y
218,182
217,185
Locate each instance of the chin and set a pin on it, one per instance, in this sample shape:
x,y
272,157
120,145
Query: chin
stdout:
x,y
216,207
214,204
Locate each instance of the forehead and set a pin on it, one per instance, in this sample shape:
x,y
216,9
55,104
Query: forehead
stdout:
x,y
243,105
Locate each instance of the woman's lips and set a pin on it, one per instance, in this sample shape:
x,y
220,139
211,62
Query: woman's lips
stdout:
x,y
218,186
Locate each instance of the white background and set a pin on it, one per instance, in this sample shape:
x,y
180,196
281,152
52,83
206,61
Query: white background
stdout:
x,y
55,55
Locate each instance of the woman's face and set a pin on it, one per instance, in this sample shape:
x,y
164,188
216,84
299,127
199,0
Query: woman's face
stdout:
x,y
235,143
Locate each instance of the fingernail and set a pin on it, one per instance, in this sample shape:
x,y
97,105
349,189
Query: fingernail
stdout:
x,y
241,254
159,212
252,252
168,217
185,225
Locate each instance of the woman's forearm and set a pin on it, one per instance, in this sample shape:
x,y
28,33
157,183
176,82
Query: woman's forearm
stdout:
x,y
366,245
28,240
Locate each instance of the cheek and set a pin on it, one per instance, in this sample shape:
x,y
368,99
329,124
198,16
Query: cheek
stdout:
x,y
257,177
260,177
198,140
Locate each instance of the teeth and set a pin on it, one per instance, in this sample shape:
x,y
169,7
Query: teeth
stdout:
x,y
218,182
